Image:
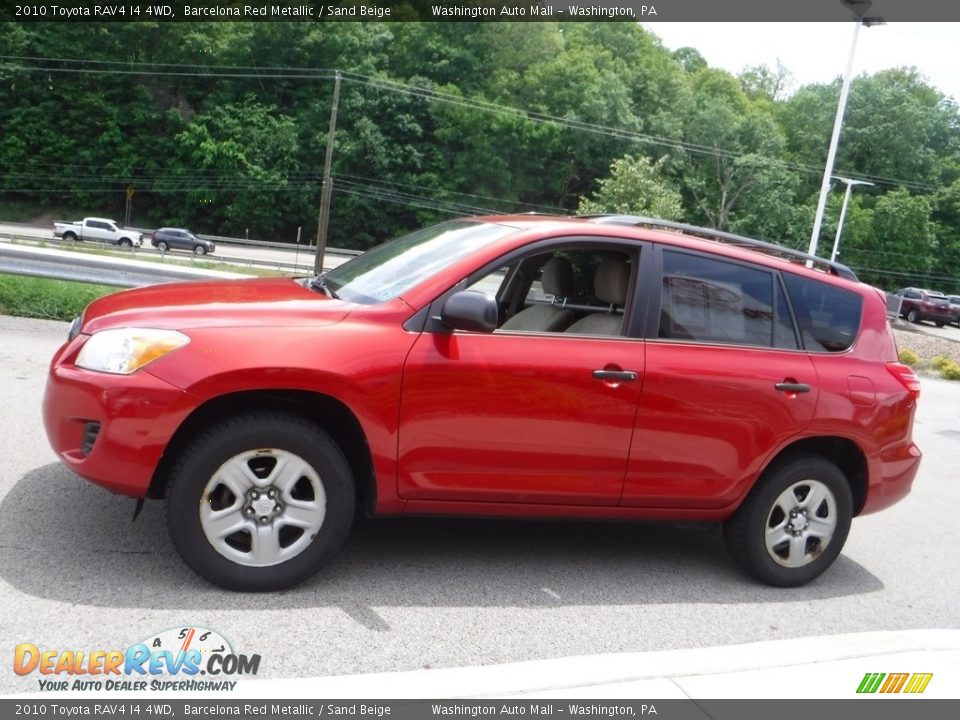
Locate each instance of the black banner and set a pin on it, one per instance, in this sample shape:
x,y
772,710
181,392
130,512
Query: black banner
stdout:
x,y
482,10
878,709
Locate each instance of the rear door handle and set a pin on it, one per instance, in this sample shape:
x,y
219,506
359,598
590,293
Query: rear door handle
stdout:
x,y
616,375
793,387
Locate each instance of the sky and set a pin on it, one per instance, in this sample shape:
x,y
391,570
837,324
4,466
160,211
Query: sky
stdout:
x,y
817,52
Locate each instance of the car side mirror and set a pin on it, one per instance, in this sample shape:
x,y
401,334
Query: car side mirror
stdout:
x,y
470,310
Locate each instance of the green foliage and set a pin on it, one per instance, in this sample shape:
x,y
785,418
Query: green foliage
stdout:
x,y
444,119
950,370
635,186
940,362
47,299
909,357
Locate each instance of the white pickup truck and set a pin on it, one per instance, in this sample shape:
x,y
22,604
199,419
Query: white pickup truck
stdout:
x,y
99,230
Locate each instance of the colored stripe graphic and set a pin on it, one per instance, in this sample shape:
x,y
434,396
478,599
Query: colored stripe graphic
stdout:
x,y
918,683
870,682
895,682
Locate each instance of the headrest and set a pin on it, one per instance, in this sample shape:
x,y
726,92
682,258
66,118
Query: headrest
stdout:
x,y
558,277
611,281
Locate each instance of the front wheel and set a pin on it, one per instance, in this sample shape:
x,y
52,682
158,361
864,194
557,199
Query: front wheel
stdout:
x,y
125,243
260,502
940,324
913,316
793,523
199,250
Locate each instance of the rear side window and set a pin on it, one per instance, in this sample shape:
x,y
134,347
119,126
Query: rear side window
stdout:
x,y
828,316
708,300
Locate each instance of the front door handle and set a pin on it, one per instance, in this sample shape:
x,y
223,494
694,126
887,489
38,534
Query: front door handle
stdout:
x,y
793,387
615,375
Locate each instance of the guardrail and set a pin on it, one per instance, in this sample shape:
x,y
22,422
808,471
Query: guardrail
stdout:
x,y
116,272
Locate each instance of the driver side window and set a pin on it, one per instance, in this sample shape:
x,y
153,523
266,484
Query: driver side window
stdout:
x,y
573,289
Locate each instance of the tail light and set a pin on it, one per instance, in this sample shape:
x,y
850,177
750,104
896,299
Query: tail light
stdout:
x,y
906,375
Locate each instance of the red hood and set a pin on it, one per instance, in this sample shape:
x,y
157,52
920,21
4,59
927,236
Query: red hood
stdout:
x,y
266,301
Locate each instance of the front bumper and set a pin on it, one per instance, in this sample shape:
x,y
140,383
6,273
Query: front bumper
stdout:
x,y
110,429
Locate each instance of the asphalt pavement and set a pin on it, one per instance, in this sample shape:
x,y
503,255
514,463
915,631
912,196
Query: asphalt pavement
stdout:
x,y
497,597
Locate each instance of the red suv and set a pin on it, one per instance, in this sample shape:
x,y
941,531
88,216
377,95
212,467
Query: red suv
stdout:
x,y
613,367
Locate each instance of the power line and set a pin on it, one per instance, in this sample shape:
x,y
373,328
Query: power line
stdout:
x,y
431,94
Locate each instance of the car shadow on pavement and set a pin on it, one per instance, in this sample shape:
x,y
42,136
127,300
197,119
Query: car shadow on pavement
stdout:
x,y
63,539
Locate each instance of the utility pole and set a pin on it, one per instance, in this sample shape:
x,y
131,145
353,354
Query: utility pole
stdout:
x,y
326,189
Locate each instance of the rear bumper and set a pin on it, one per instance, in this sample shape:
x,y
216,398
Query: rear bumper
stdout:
x,y
891,477
135,415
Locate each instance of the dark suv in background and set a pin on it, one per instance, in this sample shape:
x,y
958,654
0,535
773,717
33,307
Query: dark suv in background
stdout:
x,y
166,238
918,305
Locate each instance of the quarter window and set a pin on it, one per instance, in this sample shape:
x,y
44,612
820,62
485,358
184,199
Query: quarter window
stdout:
x,y
708,300
828,316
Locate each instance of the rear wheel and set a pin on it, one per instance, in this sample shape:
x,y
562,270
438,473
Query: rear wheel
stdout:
x,y
70,237
162,246
260,502
940,324
793,523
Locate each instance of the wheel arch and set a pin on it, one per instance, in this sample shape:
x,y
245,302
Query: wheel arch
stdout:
x,y
335,418
842,452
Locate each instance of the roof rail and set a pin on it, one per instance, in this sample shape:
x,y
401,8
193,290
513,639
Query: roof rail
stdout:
x,y
738,240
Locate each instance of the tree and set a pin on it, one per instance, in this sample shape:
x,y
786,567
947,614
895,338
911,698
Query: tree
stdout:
x,y
635,186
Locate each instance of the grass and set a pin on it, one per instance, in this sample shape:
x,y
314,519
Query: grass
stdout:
x,y
47,299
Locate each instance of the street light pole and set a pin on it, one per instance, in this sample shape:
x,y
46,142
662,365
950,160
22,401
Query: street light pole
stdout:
x,y
843,211
859,9
834,139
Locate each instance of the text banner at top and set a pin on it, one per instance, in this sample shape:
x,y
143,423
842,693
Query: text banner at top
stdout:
x,y
870,11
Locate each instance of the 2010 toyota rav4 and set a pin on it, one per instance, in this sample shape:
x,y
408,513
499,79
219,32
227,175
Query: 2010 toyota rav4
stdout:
x,y
527,366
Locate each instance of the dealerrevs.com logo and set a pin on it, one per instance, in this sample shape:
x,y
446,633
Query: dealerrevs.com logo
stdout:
x,y
894,683
189,658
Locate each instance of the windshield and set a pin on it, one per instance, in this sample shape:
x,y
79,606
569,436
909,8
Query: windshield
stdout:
x,y
391,269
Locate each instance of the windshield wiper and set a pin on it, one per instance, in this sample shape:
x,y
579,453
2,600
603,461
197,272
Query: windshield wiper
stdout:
x,y
320,283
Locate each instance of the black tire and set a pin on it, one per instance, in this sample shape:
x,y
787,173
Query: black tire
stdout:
x,y
259,432
162,246
125,243
913,316
746,531
70,237
939,324
199,250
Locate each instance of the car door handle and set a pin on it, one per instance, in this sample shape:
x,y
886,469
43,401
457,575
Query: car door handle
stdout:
x,y
617,375
793,387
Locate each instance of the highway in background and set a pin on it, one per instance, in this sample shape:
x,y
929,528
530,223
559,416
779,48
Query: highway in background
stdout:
x,y
292,259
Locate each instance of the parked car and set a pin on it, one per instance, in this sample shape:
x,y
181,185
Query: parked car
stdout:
x,y
97,229
501,366
177,238
954,301
919,305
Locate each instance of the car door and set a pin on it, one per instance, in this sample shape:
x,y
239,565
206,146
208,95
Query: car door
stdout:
x,y
519,417
725,383
98,231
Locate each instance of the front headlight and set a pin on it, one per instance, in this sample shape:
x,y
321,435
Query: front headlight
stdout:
x,y
125,350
